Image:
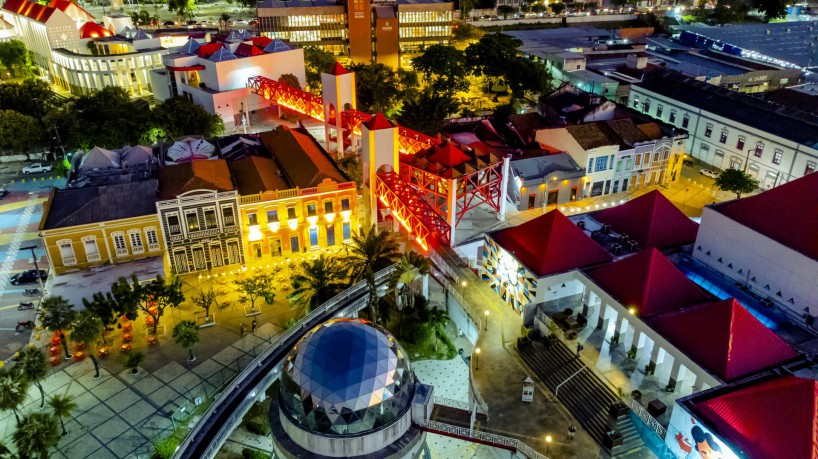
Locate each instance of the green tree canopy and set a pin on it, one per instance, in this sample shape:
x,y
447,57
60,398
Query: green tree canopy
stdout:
x,y
32,97
428,111
57,315
772,9
186,334
36,433
370,252
290,80
255,286
62,406
466,33
316,61
505,11
33,367
13,56
182,8
377,87
316,281
443,68
736,181
179,116
13,387
19,132
492,54
87,328
108,118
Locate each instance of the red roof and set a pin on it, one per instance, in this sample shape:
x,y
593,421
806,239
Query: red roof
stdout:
x,y
261,41
63,6
776,212
449,156
774,419
652,221
247,49
378,122
337,69
550,244
28,9
207,49
650,282
725,338
94,30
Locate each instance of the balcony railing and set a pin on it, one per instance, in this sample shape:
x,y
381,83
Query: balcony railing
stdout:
x,y
93,257
136,250
294,192
649,420
154,247
68,261
174,229
121,252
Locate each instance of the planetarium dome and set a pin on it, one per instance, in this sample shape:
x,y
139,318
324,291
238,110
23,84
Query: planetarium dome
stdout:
x,y
346,377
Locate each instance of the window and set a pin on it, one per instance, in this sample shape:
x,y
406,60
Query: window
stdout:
x,y
635,101
311,210
611,162
330,235
150,235
252,219
66,249
91,249
192,220
672,118
619,165
227,214
590,165
638,160
760,149
313,237
647,159
740,143
136,241
656,157
723,137
754,168
272,216
685,120
210,218
658,111
777,156
119,244
646,106
291,213
810,168
294,244
173,224
708,130
345,204
601,163
328,207
347,229
629,163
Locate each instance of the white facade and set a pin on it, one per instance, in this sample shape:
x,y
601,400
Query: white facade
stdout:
x,y
58,31
770,269
725,143
84,73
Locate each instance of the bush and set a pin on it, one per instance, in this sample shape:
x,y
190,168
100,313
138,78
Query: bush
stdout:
x,y
258,427
422,307
165,448
250,453
417,333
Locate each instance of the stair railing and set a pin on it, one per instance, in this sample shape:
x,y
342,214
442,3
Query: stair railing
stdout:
x,y
649,420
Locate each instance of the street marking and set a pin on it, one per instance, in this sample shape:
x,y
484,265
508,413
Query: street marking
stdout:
x,y
14,248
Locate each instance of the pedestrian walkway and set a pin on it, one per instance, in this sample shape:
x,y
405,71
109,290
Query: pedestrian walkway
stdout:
x,y
14,247
450,378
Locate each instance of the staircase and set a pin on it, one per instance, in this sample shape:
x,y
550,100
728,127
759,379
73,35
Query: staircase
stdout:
x,y
585,395
632,445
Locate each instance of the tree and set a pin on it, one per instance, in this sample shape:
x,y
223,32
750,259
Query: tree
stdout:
x,y
57,315
126,298
316,61
13,388
186,334
33,367
525,75
256,286
290,80
205,300
158,295
557,8
438,318
19,132
466,33
428,112
736,181
87,328
13,55
772,9
400,281
32,97
377,87
444,68
62,406
36,433
105,308
106,118
505,10
182,8
317,281
179,116
492,54
370,252
133,360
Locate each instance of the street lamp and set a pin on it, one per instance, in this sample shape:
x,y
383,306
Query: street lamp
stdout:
x,y
487,320
476,359
548,444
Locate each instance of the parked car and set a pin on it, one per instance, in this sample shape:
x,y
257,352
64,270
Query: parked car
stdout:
x,y
37,168
687,162
27,277
169,23
3,192
708,173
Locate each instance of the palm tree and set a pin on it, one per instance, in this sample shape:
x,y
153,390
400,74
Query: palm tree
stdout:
x,y
87,328
33,367
318,281
36,433
369,253
400,280
423,266
62,405
13,390
4,451
437,318
186,334
57,314
133,360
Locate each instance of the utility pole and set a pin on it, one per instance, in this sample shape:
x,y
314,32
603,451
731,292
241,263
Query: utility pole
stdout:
x,y
36,267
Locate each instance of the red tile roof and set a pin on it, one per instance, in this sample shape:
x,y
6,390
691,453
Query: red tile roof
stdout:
x,y
94,30
777,213
337,69
378,122
550,244
63,6
200,174
28,9
261,41
207,49
774,419
247,49
649,282
449,156
725,338
652,221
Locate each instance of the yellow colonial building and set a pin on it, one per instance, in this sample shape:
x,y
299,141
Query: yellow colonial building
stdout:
x,y
99,225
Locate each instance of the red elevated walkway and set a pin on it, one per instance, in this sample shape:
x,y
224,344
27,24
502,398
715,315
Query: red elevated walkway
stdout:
x,y
411,210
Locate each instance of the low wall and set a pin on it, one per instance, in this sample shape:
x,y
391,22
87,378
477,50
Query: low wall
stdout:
x,y
557,20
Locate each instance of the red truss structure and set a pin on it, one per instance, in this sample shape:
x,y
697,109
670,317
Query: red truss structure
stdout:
x,y
411,210
477,177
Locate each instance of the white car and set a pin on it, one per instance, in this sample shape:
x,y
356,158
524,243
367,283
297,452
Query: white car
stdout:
x,y
37,168
708,173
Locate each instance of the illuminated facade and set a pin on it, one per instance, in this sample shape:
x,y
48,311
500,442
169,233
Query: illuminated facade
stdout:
x,y
360,30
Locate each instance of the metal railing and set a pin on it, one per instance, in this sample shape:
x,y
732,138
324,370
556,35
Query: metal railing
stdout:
x,y
649,420
459,405
202,441
121,252
483,437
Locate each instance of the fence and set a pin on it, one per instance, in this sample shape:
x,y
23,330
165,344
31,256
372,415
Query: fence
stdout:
x,y
649,420
483,437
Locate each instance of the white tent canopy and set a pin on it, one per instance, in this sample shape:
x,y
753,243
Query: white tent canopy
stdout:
x,y
190,148
100,158
137,156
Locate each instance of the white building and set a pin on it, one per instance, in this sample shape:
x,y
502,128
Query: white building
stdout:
x,y
774,144
215,75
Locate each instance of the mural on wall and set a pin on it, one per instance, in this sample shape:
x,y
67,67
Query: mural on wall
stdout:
x,y
687,438
510,279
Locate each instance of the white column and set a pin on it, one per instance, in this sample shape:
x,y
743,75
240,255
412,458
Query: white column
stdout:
x,y
601,322
637,333
504,189
451,209
425,286
674,373
586,298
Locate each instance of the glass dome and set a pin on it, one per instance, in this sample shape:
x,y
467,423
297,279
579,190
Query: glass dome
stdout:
x,y
346,376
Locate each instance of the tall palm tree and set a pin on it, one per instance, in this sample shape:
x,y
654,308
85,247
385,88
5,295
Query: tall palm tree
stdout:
x,y
62,405
370,252
13,390
186,334
87,328
317,281
36,433
400,281
33,367
57,314
437,318
423,266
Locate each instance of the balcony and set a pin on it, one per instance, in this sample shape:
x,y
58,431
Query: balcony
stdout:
x,y
69,261
136,250
92,257
121,252
174,229
153,247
